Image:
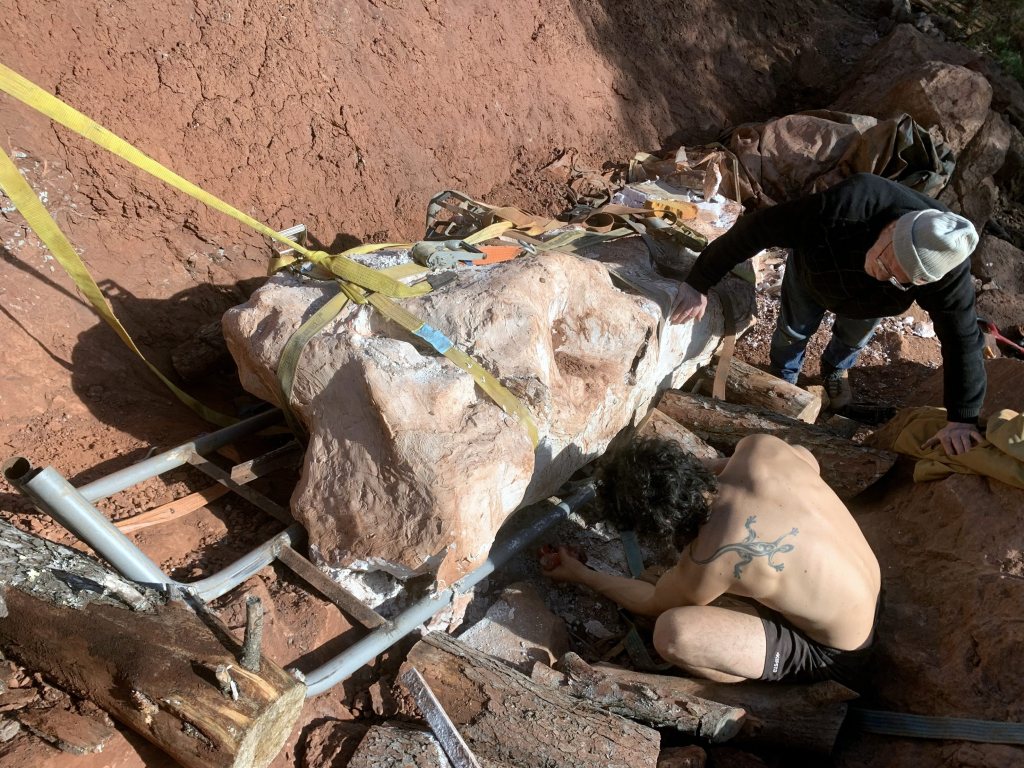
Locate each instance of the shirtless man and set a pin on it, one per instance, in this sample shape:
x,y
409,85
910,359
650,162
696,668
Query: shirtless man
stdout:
x,y
760,525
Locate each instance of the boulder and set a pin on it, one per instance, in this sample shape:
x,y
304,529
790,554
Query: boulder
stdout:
x,y
971,190
1010,177
1000,267
950,101
410,467
520,629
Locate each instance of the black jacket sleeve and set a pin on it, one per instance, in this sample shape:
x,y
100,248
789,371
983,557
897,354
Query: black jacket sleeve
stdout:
x,y
950,304
778,226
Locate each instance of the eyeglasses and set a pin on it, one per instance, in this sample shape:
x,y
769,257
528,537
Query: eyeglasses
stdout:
x,y
892,280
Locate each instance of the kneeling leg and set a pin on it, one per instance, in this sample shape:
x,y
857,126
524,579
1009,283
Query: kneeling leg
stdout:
x,y
719,644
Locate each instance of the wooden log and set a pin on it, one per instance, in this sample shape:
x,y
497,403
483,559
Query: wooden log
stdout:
x,y
506,717
796,716
659,425
398,744
67,731
687,714
747,385
150,663
848,468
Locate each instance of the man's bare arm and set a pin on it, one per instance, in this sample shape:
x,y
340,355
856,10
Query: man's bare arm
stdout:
x,y
640,597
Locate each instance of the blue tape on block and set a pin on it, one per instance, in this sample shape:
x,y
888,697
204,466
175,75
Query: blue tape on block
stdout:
x,y
434,338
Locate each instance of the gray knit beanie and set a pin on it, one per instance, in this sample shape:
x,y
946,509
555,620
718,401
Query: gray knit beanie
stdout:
x,y
930,243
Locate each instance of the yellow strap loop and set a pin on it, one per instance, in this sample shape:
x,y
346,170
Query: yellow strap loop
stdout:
x,y
355,277
39,219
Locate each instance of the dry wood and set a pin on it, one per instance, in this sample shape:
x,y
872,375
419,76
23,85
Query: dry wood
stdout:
x,y
848,468
747,385
506,717
798,716
17,698
687,714
172,510
67,731
398,744
149,663
245,472
657,424
346,602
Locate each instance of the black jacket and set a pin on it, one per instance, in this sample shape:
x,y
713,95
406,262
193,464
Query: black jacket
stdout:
x,y
830,234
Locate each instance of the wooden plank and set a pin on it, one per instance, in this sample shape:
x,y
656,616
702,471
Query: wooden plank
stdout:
x,y
255,498
348,603
848,468
67,731
172,510
506,717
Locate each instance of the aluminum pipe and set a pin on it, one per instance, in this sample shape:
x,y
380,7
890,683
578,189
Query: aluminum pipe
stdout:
x,y
62,501
370,647
176,457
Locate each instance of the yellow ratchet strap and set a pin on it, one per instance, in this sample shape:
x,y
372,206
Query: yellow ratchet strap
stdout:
x,y
355,276
292,352
33,96
39,219
508,402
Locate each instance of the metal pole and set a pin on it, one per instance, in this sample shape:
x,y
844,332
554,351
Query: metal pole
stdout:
x,y
370,647
175,457
56,496
228,578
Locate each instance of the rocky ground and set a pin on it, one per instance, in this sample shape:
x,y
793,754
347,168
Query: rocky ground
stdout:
x,y
348,119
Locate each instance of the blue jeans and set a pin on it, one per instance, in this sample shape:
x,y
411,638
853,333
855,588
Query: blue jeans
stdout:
x,y
799,317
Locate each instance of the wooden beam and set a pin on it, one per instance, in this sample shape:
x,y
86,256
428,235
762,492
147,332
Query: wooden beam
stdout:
x,y
508,718
848,468
682,712
657,424
150,663
796,716
747,385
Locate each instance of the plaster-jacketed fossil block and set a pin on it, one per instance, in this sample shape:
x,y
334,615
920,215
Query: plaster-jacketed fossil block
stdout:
x,y
410,466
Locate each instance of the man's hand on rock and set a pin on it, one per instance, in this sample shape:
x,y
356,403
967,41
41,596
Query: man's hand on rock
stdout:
x,y
956,438
690,304
562,564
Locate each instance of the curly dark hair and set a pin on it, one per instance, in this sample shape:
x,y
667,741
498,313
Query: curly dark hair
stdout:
x,y
654,486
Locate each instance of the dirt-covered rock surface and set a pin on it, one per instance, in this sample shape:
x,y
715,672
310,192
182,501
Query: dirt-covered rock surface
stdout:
x,y
348,117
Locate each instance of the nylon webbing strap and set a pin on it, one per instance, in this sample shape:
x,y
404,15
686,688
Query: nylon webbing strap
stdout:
x,y
38,218
944,728
634,557
33,96
289,360
356,275
505,400
632,642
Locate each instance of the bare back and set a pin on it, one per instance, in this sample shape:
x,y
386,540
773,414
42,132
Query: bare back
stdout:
x,y
780,535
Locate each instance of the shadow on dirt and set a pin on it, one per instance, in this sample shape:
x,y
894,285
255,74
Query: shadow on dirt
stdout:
x,y
700,68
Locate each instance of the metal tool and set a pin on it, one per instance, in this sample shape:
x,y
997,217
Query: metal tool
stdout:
x,y
444,729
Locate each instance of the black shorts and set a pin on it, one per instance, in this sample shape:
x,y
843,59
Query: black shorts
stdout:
x,y
793,657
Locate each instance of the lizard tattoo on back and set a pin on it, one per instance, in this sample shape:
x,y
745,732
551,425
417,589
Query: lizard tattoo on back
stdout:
x,y
748,549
